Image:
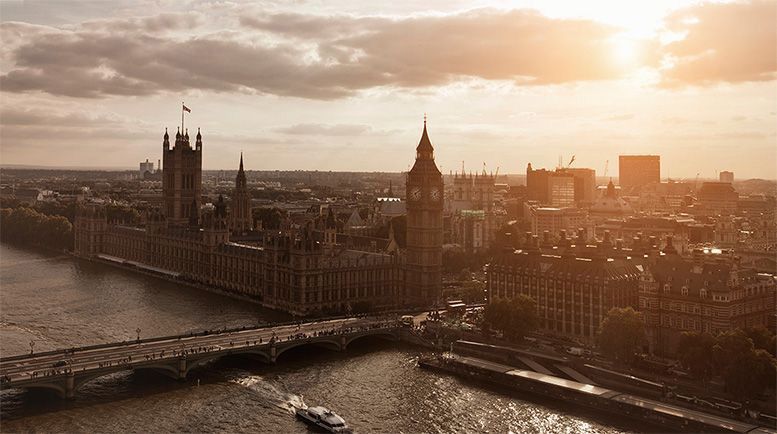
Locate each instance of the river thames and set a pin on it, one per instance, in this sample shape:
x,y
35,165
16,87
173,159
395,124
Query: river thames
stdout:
x,y
56,301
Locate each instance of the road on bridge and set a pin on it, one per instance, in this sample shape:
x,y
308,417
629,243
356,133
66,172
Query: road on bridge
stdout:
x,y
126,353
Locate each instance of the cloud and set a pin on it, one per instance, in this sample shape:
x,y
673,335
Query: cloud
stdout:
x,y
308,56
38,117
621,117
724,42
325,130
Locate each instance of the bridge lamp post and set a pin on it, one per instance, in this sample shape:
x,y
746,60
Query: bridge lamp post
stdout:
x,y
138,332
32,346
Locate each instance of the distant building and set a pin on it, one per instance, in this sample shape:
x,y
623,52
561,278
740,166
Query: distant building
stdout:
x,y
473,221
556,220
610,205
146,167
726,176
718,197
559,188
636,171
537,185
708,293
585,183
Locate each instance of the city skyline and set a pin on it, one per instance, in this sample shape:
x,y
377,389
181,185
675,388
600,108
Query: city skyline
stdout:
x,y
284,82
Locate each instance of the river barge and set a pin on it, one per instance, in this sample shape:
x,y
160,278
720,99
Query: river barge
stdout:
x,y
654,412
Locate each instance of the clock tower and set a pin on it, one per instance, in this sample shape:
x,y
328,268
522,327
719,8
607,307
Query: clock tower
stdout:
x,y
423,275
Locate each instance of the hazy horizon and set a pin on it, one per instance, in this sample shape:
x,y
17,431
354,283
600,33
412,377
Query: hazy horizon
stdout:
x,y
344,87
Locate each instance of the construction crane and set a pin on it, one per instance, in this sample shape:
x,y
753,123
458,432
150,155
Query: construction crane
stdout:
x,y
571,161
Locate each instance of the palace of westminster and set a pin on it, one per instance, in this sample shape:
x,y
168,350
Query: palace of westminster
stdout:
x,y
316,266
304,270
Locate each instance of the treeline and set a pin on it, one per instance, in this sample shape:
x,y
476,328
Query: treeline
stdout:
x,y
743,358
27,226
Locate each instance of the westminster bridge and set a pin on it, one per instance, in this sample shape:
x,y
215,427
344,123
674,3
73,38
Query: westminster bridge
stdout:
x,y
65,371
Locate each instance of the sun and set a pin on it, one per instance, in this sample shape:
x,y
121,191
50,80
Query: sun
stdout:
x,y
625,51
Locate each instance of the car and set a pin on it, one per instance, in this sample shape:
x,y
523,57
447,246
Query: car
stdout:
x,y
58,364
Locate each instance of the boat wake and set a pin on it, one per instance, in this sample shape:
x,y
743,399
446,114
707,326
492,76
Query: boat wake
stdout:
x,y
282,399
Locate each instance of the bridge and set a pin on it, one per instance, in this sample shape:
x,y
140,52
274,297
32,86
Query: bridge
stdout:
x,y
65,371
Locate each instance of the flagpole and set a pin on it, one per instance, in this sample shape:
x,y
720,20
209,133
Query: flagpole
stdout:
x,y
182,105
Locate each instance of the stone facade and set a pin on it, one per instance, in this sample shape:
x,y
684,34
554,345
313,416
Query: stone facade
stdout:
x,y
425,192
302,271
574,285
708,292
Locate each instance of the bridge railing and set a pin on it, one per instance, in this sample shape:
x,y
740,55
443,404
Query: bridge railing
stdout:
x,y
65,351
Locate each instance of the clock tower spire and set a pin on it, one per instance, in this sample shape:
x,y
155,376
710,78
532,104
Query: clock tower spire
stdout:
x,y
423,276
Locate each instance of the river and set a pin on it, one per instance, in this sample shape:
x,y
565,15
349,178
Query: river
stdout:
x,y
56,301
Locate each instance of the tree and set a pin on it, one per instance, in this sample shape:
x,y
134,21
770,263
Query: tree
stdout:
x,y
622,334
694,350
749,374
514,318
763,339
729,347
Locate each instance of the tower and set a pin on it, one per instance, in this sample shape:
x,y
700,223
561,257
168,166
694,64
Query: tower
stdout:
x,y
242,220
424,227
182,179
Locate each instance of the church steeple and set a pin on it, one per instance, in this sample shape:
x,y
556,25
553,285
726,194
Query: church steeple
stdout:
x,y
241,162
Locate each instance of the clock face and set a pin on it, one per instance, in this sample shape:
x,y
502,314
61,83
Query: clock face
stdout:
x,y
435,194
415,193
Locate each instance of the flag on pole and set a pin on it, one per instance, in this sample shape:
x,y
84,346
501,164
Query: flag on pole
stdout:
x,y
187,109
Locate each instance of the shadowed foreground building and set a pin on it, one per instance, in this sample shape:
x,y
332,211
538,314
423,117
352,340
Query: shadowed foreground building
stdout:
x,y
302,271
706,293
574,285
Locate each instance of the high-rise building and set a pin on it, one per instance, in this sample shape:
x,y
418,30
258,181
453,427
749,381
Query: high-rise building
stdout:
x,y
242,220
424,227
561,189
635,171
726,176
537,184
585,182
182,179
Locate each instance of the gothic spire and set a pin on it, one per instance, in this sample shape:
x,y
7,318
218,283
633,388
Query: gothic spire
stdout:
x,y
241,161
425,149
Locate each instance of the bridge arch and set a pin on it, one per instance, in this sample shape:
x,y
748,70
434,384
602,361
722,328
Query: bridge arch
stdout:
x,y
55,386
193,364
331,344
390,335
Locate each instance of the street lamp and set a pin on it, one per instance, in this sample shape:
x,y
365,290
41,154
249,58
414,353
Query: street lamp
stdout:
x,y
138,332
32,346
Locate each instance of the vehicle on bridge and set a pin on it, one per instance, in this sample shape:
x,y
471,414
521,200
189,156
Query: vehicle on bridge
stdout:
x,y
407,320
323,418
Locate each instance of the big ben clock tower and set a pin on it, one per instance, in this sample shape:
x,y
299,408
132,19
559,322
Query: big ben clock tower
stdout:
x,y
423,277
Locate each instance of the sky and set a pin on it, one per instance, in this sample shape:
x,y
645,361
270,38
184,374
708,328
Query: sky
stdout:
x,y
344,85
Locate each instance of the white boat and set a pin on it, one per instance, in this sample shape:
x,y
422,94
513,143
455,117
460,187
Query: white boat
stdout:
x,y
324,419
